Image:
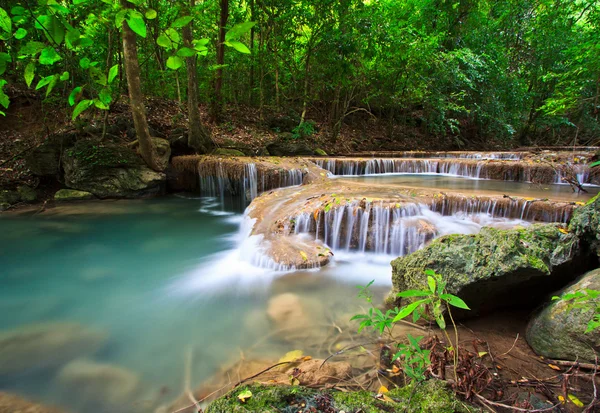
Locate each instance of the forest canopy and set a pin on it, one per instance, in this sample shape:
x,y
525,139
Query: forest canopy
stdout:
x,y
518,71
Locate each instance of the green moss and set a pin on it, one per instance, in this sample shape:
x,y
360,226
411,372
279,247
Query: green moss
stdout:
x,y
95,154
362,401
320,152
267,399
431,396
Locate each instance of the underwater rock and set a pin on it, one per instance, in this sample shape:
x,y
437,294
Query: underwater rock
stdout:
x,y
11,403
110,171
585,223
286,311
558,331
432,396
46,345
94,383
72,195
495,268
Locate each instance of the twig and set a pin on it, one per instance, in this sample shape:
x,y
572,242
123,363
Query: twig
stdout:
x,y
519,409
513,346
344,350
586,366
263,371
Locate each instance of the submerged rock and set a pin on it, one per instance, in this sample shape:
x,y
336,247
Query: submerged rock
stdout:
x,y
432,396
558,331
47,345
11,403
72,195
94,383
496,267
110,171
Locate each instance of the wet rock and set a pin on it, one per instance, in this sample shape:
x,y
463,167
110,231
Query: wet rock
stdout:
x,y
9,197
47,345
558,331
26,193
289,148
11,403
286,311
45,159
72,195
585,223
227,152
110,171
495,268
94,383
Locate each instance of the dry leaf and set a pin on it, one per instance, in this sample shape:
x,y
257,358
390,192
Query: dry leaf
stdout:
x,y
554,367
575,401
383,389
561,399
304,256
482,353
291,356
564,231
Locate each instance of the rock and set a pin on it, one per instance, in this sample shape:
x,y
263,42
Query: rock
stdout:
x,y
495,268
227,152
585,223
110,171
45,345
94,383
163,151
45,159
286,311
27,193
432,396
315,373
72,195
11,403
9,197
285,147
320,152
558,331
4,206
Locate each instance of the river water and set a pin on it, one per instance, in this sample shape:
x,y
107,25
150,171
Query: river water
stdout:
x,y
153,281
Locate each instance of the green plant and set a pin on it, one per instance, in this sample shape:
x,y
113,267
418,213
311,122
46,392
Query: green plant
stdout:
x,y
304,130
414,359
584,300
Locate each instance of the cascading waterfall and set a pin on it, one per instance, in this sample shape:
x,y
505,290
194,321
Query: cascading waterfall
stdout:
x,y
385,229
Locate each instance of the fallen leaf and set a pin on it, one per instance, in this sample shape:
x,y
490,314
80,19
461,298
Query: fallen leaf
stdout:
x,y
482,353
554,367
561,399
304,256
575,401
383,389
291,356
245,395
564,231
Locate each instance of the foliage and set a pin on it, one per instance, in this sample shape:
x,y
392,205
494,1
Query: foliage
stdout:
x,y
585,300
415,360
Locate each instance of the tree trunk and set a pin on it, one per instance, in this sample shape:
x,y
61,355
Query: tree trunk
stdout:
x,y
198,136
217,103
136,98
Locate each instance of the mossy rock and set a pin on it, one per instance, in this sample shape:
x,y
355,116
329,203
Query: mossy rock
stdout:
x,y
72,195
227,152
27,193
558,331
9,197
428,397
585,223
110,171
495,268
44,160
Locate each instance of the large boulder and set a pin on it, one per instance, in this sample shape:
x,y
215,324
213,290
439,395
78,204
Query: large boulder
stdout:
x,y
11,403
110,171
45,345
93,384
558,331
495,267
44,160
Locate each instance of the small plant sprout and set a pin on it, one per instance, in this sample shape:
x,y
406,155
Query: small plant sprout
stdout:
x,y
414,359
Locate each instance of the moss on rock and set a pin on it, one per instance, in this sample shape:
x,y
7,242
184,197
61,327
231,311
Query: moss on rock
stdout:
x,y
428,397
558,331
227,152
585,223
491,267
72,195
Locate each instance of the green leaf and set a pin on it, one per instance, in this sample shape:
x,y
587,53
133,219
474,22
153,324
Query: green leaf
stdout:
x,y
31,49
81,106
20,33
594,164
120,17
413,293
100,105
454,301
238,30
164,41
72,38
84,63
239,46
405,311
51,85
182,21
52,28
186,52
74,93
4,100
4,59
43,82
104,96
17,11
174,62
79,1
29,73
5,22
430,272
150,14
431,283
112,73
136,23
200,43
64,76
49,56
